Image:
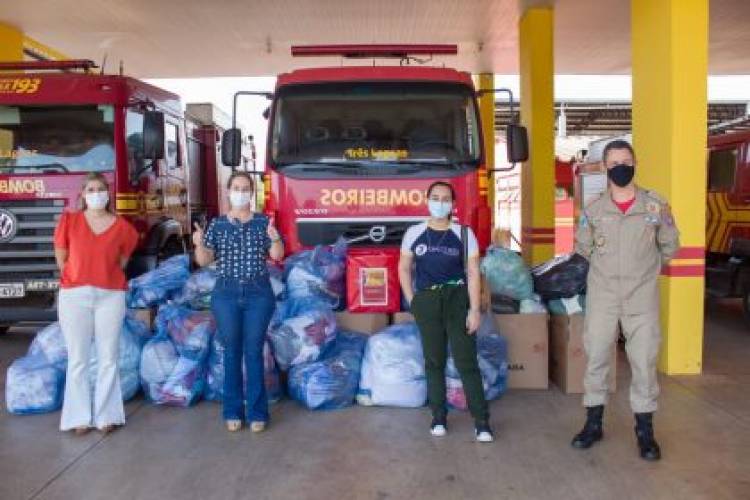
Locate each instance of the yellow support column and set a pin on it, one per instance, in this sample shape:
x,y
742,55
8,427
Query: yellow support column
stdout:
x,y
486,81
11,43
670,69
536,33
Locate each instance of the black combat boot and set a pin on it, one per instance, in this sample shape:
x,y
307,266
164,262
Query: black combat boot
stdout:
x,y
644,431
592,430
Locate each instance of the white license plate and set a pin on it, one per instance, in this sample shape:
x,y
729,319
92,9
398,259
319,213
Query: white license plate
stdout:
x,y
11,290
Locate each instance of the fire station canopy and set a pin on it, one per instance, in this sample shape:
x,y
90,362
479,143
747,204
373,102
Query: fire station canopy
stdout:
x,y
196,38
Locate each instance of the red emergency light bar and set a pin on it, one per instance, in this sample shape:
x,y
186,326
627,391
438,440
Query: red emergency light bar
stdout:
x,y
67,64
367,51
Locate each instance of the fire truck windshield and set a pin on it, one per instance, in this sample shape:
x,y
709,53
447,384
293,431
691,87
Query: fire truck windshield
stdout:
x,y
375,126
56,139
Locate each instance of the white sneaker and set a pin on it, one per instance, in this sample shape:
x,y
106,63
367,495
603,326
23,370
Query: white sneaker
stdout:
x,y
483,434
438,428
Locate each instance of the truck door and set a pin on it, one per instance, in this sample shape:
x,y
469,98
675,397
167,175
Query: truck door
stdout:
x,y
725,181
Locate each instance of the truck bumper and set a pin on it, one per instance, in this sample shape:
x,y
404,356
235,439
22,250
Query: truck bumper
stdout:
x,y
17,314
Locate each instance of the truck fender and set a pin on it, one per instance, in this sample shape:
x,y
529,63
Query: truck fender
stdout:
x,y
160,234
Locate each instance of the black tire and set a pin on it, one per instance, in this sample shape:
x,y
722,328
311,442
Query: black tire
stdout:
x,y
173,246
746,305
4,329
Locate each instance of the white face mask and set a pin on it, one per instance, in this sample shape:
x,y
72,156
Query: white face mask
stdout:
x,y
97,200
239,199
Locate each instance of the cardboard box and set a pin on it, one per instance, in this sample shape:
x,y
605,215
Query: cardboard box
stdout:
x,y
528,349
567,356
368,323
401,317
146,315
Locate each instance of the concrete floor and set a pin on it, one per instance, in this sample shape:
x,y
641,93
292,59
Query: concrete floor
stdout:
x,y
169,453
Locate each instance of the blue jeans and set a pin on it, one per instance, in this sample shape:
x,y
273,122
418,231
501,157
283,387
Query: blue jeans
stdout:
x,y
243,310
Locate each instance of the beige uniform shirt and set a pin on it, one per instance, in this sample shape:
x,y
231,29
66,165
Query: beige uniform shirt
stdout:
x,y
626,251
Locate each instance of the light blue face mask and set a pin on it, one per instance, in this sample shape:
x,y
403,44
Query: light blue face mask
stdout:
x,y
439,209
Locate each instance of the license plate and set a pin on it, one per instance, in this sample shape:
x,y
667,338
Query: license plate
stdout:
x,y
12,290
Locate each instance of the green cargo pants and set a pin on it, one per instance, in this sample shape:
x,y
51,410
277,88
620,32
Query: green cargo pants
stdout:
x,y
441,317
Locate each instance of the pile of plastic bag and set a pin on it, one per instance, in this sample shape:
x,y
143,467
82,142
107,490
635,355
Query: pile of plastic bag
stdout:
x,y
319,272
492,353
332,381
196,293
215,377
175,361
507,274
301,329
157,286
35,383
393,368
567,306
561,277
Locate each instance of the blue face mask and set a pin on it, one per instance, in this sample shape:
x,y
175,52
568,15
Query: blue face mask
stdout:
x,y
439,209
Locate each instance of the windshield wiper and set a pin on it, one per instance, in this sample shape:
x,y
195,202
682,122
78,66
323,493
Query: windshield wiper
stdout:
x,y
47,166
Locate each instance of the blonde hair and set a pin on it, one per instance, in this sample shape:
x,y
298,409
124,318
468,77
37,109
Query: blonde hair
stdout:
x,y
95,177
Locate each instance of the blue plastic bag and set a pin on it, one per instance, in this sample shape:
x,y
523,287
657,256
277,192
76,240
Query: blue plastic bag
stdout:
x,y
393,368
300,331
507,274
197,290
215,378
319,272
156,286
34,385
49,344
174,363
332,381
492,353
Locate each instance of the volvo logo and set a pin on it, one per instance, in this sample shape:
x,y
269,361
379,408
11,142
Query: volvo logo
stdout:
x,y
377,234
8,225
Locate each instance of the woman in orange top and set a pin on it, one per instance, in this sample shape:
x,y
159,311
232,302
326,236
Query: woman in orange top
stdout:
x,y
92,247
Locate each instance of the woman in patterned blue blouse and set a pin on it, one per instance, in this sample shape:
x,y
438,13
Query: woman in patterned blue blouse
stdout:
x,y
242,301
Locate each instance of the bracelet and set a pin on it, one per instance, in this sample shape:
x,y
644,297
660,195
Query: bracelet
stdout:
x,y
276,240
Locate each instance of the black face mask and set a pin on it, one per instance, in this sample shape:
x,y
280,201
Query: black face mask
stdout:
x,y
621,174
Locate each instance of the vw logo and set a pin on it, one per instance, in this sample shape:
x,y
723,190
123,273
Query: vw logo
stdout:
x,y
377,234
8,225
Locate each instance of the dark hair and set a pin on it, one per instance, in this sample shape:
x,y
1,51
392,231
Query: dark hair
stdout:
x,y
238,174
96,177
444,184
617,144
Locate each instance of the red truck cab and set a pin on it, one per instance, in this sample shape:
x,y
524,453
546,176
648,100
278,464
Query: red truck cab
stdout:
x,y
55,127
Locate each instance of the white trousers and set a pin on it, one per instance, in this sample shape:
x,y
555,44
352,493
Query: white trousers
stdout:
x,y
87,313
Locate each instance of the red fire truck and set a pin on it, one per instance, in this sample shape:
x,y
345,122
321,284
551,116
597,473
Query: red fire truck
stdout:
x,y
352,149
59,121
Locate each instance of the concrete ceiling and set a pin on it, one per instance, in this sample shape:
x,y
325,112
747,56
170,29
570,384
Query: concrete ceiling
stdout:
x,y
195,38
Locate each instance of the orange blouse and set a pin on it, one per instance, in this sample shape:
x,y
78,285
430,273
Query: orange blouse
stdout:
x,y
94,259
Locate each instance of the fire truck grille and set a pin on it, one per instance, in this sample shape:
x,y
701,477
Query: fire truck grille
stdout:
x,y
360,233
30,255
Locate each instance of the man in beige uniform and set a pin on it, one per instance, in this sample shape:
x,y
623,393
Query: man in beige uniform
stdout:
x,y
627,234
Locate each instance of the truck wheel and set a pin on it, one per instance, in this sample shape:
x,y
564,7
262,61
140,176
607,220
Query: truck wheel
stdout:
x,y
173,246
746,305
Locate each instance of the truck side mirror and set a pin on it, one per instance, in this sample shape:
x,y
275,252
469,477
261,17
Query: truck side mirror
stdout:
x,y
517,140
231,147
153,135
